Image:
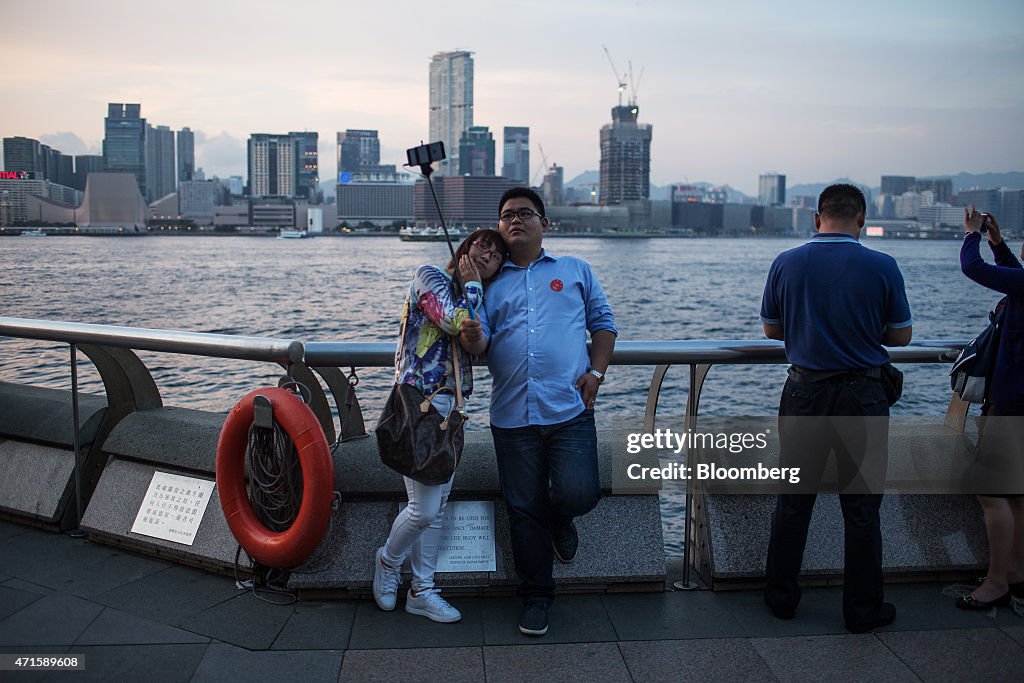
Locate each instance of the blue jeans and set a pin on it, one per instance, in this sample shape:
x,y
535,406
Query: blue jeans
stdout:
x,y
548,475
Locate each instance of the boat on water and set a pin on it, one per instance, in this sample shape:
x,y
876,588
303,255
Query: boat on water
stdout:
x,y
428,234
33,233
286,234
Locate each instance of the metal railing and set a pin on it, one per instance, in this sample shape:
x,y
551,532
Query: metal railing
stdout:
x,y
326,358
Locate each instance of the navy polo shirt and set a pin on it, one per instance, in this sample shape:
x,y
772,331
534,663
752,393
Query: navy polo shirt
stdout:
x,y
834,298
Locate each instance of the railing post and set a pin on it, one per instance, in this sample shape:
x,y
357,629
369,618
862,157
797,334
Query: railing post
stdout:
x,y
77,441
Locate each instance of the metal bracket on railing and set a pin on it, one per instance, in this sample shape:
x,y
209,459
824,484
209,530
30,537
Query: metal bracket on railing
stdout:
x,y
262,412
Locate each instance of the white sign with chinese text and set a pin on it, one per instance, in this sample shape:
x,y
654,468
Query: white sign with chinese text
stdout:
x,y
173,507
467,538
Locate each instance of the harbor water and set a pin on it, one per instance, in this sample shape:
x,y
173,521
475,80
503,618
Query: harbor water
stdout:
x,y
352,288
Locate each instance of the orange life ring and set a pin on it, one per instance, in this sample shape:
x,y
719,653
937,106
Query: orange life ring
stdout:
x,y
289,548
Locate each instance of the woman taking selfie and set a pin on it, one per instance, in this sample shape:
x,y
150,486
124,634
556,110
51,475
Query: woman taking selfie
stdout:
x,y
434,313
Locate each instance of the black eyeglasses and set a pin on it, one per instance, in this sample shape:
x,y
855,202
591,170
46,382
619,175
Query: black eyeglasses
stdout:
x,y
487,252
524,215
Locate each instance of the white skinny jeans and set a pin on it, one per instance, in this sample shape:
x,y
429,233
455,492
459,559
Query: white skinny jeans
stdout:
x,y
416,531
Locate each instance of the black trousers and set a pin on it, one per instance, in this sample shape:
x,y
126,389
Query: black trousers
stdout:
x,y
808,432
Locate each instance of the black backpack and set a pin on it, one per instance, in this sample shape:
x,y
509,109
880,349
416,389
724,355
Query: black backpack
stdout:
x,y
972,371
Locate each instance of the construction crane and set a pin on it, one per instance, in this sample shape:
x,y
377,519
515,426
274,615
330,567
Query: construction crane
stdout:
x,y
634,87
619,80
544,166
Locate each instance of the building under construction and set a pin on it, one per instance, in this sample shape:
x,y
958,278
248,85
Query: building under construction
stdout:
x,y
625,157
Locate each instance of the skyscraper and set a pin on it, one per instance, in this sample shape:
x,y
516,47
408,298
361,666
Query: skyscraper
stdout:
x,y
272,165
24,155
625,157
124,141
451,102
307,166
898,184
516,154
476,152
771,189
160,170
84,165
186,154
357,149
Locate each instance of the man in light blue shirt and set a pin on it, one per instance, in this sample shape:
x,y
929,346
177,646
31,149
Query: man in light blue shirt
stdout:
x,y
537,316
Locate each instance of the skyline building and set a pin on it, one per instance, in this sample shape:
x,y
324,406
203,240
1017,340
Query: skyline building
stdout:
x,y
896,185
553,186
476,152
271,164
625,157
186,144
160,167
358,148
771,189
515,164
307,166
84,165
40,161
451,103
124,142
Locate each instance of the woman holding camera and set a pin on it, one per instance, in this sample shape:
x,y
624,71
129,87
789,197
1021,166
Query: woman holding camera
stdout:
x,y
434,313
1001,437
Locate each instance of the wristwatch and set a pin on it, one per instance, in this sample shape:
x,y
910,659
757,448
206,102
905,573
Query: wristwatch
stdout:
x,y
598,374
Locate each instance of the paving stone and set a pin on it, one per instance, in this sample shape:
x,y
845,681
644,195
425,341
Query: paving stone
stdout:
x,y
922,607
1015,632
12,600
74,565
820,613
150,663
846,658
56,619
672,616
573,619
426,665
154,596
986,654
317,626
245,620
113,627
374,628
712,659
584,662
8,529
28,587
228,663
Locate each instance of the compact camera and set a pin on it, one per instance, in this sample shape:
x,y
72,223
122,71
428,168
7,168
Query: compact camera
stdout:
x,y
986,221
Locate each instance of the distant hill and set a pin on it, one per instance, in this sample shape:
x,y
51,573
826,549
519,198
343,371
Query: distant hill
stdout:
x,y
814,189
961,181
658,192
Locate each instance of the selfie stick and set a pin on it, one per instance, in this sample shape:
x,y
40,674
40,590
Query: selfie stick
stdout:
x,y
424,160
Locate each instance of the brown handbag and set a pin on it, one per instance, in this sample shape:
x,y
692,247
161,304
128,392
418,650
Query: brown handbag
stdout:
x,y
414,439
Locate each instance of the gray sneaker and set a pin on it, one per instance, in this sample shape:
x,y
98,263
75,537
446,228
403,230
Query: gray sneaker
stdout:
x,y
385,583
431,605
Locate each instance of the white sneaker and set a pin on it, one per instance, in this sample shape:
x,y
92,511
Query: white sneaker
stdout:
x,y
431,605
385,583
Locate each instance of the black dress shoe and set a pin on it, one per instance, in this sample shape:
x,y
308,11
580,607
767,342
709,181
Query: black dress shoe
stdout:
x,y
886,615
565,542
970,602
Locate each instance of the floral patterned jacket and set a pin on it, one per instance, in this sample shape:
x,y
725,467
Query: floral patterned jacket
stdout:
x,y
432,313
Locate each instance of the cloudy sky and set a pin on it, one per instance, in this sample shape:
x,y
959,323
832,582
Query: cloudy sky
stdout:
x,y
815,90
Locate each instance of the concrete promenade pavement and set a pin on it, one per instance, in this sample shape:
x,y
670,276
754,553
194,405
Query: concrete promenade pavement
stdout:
x,y
135,618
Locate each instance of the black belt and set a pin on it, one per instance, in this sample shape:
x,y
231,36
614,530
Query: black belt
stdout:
x,y
805,376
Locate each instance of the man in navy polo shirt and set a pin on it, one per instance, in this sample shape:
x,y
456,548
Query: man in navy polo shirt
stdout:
x,y
537,315
835,303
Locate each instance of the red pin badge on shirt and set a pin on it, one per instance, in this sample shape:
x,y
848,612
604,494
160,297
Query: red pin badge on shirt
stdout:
x,y
556,285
